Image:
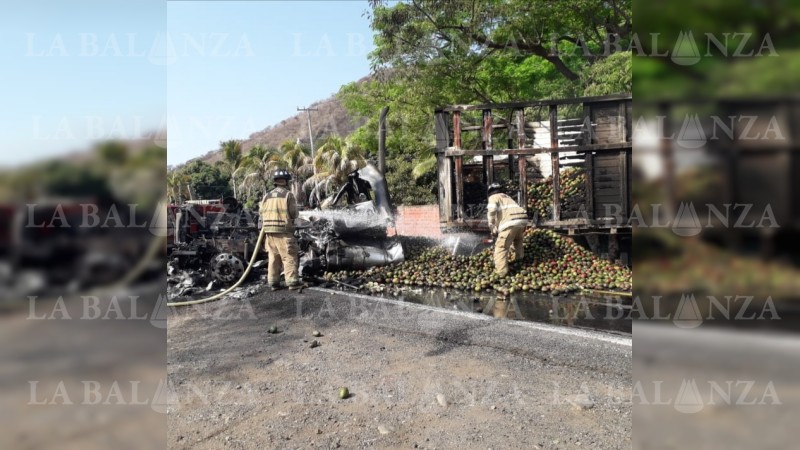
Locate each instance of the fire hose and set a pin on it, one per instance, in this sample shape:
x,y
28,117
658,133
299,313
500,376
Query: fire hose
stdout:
x,y
235,285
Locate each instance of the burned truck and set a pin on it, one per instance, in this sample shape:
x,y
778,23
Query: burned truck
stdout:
x,y
66,245
211,242
212,239
352,236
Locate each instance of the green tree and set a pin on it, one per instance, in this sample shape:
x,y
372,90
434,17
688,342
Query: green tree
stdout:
x,y
460,35
63,179
409,189
335,159
611,75
207,181
297,160
431,53
766,63
254,172
112,154
178,186
410,136
232,159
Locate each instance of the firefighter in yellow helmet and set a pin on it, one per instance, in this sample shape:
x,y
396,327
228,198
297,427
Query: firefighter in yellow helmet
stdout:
x,y
508,221
278,211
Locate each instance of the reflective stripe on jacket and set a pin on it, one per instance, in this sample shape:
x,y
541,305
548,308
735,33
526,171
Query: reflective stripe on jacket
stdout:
x,y
278,210
505,213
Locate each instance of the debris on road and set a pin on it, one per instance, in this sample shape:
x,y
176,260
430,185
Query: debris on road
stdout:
x,y
581,402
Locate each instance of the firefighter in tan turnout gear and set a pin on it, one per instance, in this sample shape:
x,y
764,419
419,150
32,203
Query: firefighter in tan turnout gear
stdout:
x,y
278,211
508,221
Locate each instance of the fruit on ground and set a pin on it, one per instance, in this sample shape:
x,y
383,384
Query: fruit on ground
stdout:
x,y
552,263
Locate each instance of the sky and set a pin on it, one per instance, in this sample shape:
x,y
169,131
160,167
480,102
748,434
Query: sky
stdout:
x,y
87,70
258,62
76,72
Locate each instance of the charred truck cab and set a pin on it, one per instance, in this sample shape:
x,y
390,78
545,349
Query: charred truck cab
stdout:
x,y
352,235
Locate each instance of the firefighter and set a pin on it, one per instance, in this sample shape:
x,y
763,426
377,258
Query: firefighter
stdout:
x,y
278,211
507,220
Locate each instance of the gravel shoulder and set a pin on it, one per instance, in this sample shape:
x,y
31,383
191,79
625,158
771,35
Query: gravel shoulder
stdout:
x,y
419,377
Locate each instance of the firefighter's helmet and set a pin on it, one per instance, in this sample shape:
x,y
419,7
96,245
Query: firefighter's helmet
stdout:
x,y
494,188
281,174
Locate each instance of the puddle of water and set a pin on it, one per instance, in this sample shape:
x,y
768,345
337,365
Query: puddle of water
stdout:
x,y
580,311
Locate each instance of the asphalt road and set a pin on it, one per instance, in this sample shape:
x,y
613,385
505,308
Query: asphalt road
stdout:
x,y
715,387
419,377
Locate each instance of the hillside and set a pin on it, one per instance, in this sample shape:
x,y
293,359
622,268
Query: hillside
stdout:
x,y
330,118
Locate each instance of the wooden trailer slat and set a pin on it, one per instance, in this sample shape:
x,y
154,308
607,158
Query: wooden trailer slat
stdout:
x,y
596,141
666,159
445,182
606,178
442,130
622,122
457,129
515,105
609,162
554,161
606,185
588,167
611,190
486,133
453,151
459,169
523,182
623,185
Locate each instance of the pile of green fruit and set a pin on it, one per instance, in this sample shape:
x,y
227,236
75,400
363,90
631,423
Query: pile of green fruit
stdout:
x,y
572,181
552,263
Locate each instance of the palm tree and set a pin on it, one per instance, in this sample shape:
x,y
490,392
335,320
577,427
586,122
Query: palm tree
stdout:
x,y
335,159
297,160
113,154
178,185
232,159
425,165
255,168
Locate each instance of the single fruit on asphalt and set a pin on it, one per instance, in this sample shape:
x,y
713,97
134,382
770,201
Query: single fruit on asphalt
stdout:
x,y
316,333
343,393
273,329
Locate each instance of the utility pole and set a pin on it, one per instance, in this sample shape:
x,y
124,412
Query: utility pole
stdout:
x,y
310,133
310,139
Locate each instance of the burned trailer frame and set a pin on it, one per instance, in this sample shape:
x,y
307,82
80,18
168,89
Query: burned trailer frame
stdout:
x,y
66,244
215,238
522,142
751,147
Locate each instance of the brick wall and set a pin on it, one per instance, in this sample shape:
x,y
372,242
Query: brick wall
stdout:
x,y
420,220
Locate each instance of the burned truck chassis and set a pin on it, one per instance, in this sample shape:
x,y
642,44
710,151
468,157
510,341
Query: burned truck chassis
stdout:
x,y
213,245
